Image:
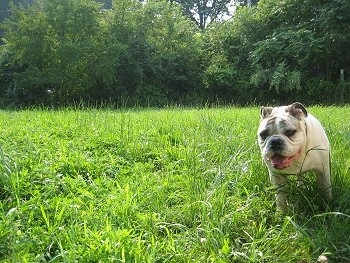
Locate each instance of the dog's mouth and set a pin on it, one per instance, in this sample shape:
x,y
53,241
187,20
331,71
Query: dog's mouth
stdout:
x,y
281,162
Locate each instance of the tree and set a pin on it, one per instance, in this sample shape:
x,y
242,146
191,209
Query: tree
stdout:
x,y
124,47
228,47
150,52
301,46
79,51
204,12
53,42
175,51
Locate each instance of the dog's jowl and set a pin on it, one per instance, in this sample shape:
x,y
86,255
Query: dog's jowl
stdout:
x,y
292,141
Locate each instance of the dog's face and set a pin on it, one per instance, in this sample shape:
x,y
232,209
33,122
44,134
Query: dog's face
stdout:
x,y
281,135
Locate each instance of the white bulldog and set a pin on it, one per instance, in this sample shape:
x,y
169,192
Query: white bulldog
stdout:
x,y
292,141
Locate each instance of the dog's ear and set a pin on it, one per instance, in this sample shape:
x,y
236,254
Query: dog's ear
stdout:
x,y
265,112
297,110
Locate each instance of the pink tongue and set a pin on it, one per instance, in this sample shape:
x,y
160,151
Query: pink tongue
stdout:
x,y
279,161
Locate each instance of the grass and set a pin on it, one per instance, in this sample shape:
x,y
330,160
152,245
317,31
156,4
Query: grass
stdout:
x,y
171,185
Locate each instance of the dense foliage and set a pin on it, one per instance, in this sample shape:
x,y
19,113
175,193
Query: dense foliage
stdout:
x,y
151,53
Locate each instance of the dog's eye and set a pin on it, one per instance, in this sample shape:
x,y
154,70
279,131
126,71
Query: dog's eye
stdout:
x,y
264,134
290,133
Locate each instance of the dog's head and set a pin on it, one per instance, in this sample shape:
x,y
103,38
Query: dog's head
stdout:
x,y
281,134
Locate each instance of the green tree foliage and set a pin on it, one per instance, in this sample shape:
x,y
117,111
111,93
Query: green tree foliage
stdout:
x,y
228,47
205,12
54,44
175,51
281,51
122,53
74,50
301,45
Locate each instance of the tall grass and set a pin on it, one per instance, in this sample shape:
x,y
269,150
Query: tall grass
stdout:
x,y
172,185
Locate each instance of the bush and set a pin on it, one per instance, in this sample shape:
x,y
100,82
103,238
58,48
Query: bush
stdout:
x,y
320,91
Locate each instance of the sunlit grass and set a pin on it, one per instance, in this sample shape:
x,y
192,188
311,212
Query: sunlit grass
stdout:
x,y
171,185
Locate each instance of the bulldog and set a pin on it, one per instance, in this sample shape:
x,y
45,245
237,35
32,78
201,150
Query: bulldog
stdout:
x,y
292,141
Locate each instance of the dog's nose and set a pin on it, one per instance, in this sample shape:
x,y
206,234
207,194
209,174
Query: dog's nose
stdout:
x,y
276,141
276,144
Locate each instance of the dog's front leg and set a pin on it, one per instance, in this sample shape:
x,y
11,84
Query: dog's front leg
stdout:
x,y
279,182
324,184
323,173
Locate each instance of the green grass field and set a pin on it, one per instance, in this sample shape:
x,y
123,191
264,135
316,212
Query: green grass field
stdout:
x,y
170,185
